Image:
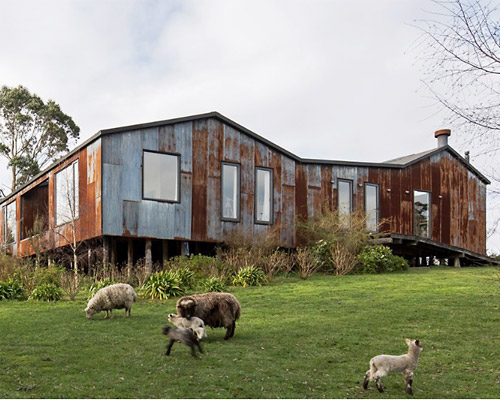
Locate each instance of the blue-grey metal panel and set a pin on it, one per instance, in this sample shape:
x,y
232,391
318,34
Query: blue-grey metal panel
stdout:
x,y
111,198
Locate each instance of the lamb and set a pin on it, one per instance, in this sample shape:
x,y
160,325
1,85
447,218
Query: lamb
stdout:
x,y
381,365
194,323
183,335
217,310
119,295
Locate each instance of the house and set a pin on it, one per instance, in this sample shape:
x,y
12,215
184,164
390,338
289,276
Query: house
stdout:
x,y
164,188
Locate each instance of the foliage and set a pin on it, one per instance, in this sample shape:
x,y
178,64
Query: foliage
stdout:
x,y
201,266
307,262
11,290
212,284
378,259
249,276
47,292
70,284
185,277
94,288
163,285
32,132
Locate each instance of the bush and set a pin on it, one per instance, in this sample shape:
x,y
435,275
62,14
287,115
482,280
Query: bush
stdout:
x,y
377,259
47,292
11,290
249,276
308,262
213,284
99,285
162,285
185,277
201,266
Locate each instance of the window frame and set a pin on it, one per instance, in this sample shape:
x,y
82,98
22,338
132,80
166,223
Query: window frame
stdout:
x,y
76,190
271,197
238,188
351,194
6,222
429,218
377,207
178,200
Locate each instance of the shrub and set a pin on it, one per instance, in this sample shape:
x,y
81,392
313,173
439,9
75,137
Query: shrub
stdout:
x,y
47,292
99,285
249,276
11,290
213,284
185,277
201,266
378,258
162,285
308,262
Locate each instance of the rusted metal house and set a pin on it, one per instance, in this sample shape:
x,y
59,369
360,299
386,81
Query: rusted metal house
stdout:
x,y
164,188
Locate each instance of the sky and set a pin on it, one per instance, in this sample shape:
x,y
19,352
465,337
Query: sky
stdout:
x,y
337,79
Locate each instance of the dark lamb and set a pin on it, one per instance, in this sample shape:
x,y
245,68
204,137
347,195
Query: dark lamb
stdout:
x,y
217,310
183,335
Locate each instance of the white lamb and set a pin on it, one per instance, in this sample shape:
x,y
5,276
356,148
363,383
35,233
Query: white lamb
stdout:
x,y
119,295
381,365
194,323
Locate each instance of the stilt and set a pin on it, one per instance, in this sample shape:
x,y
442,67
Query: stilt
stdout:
x,y
130,257
164,247
149,257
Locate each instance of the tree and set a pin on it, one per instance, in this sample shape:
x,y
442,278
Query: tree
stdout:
x,y
32,133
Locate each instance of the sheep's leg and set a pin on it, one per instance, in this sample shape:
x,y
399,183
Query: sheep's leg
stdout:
x,y
107,314
376,377
234,328
193,352
408,382
169,347
199,347
230,331
366,380
379,385
127,311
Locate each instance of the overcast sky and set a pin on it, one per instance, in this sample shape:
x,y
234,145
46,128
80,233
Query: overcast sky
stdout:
x,y
336,79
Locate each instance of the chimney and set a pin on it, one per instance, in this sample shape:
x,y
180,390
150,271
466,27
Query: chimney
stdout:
x,y
442,137
467,156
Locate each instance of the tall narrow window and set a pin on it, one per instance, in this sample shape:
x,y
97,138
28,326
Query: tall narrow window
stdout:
x,y
371,207
344,196
9,223
160,176
421,211
230,192
67,198
263,195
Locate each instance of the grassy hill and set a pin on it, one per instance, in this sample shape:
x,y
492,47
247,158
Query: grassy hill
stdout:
x,y
295,339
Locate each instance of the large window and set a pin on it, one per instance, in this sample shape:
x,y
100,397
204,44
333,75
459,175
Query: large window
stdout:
x,y
263,195
161,176
421,211
371,207
67,199
230,192
9,223
344,188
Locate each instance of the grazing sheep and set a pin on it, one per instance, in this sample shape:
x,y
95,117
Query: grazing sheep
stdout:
x,y
381,365
183,335
194,323
119,295
217,310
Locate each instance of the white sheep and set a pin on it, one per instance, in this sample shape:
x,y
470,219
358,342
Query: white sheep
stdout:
x,y
194,323
119,295
381,365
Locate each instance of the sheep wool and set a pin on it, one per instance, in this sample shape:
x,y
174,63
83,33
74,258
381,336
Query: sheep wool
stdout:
x,y
381,365
217,310
194,323
182,335
119,295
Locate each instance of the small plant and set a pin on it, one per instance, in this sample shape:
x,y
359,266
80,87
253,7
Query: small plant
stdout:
x,y
308,262
185,277
47,292
377,259
249,276
162,285
11,290
99,285
213,284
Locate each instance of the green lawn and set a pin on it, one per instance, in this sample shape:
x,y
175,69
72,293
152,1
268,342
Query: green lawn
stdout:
x,y
295,339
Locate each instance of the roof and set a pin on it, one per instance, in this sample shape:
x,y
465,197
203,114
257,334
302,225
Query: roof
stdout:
x,y
401,162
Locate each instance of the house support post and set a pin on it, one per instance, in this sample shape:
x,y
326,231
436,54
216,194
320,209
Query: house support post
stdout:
x,y
149,258
164,247
113,252
130,257
456,262
105,251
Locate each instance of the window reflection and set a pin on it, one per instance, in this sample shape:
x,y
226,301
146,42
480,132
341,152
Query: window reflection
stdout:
x,y
371,207
67,201
263,198
161,177
10,223
230,191
421,207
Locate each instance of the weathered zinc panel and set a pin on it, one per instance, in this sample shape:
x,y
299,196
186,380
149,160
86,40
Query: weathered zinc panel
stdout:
x,y
200,180
288,216
215,155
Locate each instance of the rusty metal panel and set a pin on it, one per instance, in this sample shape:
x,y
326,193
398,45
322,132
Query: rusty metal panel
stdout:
x,y
130,218
215,154
184,145
166,139
231,144
200,180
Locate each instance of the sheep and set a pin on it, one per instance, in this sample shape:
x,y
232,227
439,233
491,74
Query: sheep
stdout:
x,y
182,335
217,310
194,323
119,295
381,365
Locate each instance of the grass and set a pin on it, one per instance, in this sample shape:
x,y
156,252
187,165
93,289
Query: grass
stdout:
x,y
295,339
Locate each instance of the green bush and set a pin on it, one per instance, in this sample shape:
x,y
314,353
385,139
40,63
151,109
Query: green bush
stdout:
x,y
377,259
213,284
99,285
51,274
47,292
11,290
185,277
162,285
249,276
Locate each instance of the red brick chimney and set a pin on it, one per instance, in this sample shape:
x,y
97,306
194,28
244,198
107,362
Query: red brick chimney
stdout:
x,y
442,137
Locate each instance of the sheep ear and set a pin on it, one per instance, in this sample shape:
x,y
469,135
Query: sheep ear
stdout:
x,y
408,341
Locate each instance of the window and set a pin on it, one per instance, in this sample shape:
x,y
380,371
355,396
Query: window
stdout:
x,y
160,175
10,223
421,210
371,207
67,198
230,192
344,189
263,195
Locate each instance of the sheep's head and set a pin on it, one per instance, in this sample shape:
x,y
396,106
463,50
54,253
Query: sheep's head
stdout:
x,y
89,311
185,307
414,345
171,317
